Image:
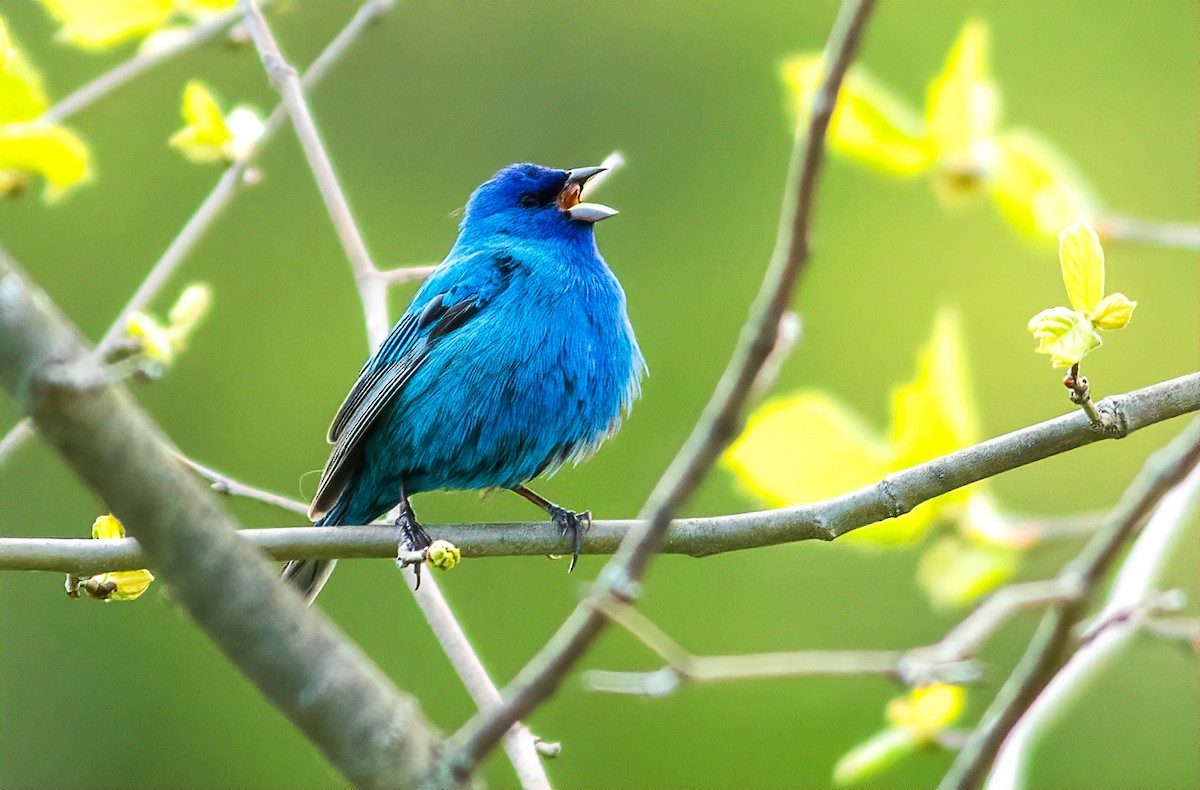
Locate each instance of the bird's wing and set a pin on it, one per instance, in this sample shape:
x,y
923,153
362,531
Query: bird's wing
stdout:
x,y
443,306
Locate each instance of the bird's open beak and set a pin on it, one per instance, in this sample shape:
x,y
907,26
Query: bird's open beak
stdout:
x,y
568,198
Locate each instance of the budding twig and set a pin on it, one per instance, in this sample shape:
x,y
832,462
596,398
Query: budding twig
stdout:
x,y
1081,395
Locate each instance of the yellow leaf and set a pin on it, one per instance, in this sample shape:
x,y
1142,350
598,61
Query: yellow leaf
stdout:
x,y
1082,260
22,95
1036,189
1067,336
962,105
190,308
955,571
156,339
206,135
1113,312
100,24
107,527
927,711
130,584
869,124
114,585
809,447
211,137
804,448
46,149
118,585
934,414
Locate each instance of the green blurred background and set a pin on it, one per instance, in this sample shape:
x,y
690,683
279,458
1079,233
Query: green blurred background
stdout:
x,y
426,106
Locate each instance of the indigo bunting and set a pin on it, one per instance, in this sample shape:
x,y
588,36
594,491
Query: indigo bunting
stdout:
x,y
515,357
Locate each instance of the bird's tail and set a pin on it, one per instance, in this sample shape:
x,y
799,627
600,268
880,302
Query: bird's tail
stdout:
x,y
309,576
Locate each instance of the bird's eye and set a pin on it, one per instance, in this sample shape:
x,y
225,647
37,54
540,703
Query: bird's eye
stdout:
x,y
528,200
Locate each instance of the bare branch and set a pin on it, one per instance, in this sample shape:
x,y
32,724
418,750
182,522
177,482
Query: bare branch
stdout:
x,y
947,661
1177,235
1133,594
897,494
717,425
1044,657
894,495
372,732
225,190
406,274
286,80
227,485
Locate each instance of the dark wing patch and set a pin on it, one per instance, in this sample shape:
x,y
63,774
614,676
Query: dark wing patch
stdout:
x,y
378,384
370,374
382,386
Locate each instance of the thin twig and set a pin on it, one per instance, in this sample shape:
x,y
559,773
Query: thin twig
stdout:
x,y
286,80
1081,395
374,734
1132,598
227,485
1024,530
1181,629
406,274
109,81
1044,656
947,661
1175,235
718,424
222,193
826,520
519,742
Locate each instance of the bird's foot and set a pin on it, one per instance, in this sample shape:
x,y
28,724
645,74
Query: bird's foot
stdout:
x,y
412,538
574,524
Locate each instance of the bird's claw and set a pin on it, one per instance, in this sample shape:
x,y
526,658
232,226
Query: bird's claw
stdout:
x,y
574,523
412,538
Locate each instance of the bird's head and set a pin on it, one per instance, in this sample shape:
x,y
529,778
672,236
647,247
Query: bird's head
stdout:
x,y
529,200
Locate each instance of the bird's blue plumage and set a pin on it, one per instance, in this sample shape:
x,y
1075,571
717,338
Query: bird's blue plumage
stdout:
x,y
514,357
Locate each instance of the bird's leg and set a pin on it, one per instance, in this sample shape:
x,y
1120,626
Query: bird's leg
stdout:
x,y
567,521
412,536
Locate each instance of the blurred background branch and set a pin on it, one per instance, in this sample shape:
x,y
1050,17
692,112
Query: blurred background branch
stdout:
x,y
1134,596
1051,646
1178,235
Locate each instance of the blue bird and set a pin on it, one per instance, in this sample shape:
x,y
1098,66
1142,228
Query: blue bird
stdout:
x,y
515,357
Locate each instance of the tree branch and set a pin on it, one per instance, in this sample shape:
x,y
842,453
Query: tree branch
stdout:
x,y
717,425
371,731
946,661
1177,235
895,495
1133,590
1043,658
371,289
682,666
227,485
